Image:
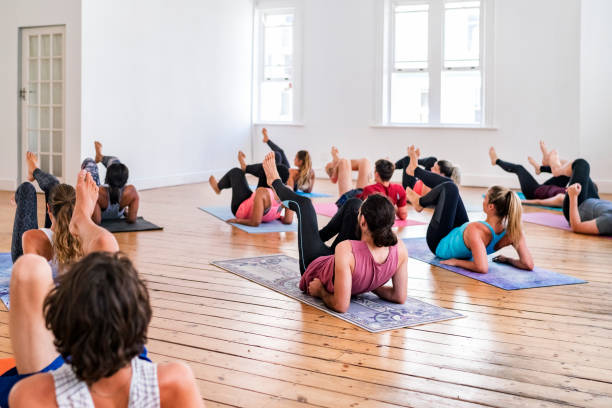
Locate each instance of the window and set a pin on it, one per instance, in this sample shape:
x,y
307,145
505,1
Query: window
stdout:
x,y
275,93
434,68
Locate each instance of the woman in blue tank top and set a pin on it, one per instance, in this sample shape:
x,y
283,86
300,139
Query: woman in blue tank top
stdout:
x,y
466,244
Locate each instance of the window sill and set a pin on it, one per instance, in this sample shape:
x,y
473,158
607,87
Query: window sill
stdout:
x,y
426,126
294,124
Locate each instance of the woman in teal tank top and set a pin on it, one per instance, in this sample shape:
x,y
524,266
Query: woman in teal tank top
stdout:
x,y
466,244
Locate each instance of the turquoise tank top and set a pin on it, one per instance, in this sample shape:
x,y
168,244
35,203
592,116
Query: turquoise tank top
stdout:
x,y
453,245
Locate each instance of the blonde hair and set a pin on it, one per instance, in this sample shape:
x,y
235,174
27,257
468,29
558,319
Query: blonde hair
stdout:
x,y
67,249
508,207
303,175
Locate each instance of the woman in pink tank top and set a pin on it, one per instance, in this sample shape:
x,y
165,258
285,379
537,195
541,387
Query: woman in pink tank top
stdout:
x,y
355,266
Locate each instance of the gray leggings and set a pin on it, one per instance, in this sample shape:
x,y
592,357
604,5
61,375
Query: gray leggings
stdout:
x,y
26,216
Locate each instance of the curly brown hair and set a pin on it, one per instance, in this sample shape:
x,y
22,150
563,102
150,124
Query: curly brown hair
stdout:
x,y
99,314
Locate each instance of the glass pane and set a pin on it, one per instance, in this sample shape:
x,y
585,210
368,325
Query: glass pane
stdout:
x,y
57,45
461,101
462,37
411,38
58,142
45,141
57,69
57,165
277,72
410,97
44,69
57,93
33,117
278,46
45,96
57,118
45,45
44,163
33,140
33,46
44,118
276,101
33,93
271,20
33,70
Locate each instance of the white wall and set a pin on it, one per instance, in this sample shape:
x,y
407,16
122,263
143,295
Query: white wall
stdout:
x,y
166,85
596,90
31,13
536,89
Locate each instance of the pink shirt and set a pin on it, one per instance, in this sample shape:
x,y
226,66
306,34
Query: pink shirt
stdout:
x,y
246,208
367,275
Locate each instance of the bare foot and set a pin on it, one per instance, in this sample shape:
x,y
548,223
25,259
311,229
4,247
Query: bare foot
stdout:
x,y
99,155
86,199
213,183
264,132
545,154
493,156
241,159
414,198
414,161
269,166
32,161
535,164
335,153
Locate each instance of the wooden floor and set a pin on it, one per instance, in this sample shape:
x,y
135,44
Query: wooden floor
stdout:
x,y
252,347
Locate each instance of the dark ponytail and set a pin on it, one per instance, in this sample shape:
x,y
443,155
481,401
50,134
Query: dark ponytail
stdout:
x,y
116,178
379,214
448,170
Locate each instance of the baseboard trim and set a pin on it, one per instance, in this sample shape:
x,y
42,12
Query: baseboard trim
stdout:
x,y
176,179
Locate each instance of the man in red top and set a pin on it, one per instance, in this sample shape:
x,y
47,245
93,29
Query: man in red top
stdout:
x,y
395,192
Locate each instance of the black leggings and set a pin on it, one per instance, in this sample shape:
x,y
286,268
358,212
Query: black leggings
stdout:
x,y
26,217
449,211
581,171
528,183
343,224
236,180
408,180
281,158
46,182
258,171
560,181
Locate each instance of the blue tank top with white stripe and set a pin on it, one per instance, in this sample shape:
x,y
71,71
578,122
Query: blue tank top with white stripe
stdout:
x,y
453,245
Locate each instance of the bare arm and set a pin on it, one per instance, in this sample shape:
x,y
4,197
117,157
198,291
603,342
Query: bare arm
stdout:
x,y
340,300
402,212
287,217
525,260
133,202
291,179
480,262
257,211
399,290
578,226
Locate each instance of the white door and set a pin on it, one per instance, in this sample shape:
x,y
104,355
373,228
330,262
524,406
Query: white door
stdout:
x,y
43,97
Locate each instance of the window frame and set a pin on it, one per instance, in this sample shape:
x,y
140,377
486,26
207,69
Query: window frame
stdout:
x,y
435,67
260,9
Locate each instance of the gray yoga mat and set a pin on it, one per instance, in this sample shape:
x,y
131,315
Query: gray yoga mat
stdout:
x,y
281,273
121,225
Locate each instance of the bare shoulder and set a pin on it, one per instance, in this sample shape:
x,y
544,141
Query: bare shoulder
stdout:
x,y
130,191
401,249
35,391
175,379
344,248
34,235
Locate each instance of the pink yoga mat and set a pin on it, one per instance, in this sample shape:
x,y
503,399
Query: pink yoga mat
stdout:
x,y
330,209
550,220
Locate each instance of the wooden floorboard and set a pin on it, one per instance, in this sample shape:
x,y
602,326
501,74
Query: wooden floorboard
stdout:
x,y
253,347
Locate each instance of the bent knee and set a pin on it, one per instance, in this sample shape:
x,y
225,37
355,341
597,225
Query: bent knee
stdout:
x,y
344,164
30,269
581,163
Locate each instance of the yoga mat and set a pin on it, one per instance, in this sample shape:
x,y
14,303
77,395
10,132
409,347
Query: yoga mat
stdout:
x,y
225,213
303,194
281,273
503,276
330,209
6,266
121,225
547,219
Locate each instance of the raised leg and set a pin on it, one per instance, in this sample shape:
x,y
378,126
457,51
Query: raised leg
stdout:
x,y
343,224
91,166
26,217
581,171
236,180
364,171
528,183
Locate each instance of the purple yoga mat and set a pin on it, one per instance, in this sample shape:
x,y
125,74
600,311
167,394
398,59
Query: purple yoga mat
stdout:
x,y
330,209
551,220
503,276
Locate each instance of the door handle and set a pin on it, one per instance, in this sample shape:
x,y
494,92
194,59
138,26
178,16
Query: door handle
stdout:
x,y
23,92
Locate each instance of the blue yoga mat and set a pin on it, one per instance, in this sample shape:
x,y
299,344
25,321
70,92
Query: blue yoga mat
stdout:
x,y
281,273
225,213
503,276
6,266
303,194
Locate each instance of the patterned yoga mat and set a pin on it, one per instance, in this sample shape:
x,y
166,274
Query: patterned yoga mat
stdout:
x,y
6,266
281,273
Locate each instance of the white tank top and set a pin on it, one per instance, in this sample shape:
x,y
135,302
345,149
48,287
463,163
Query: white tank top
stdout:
x,y
144,388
